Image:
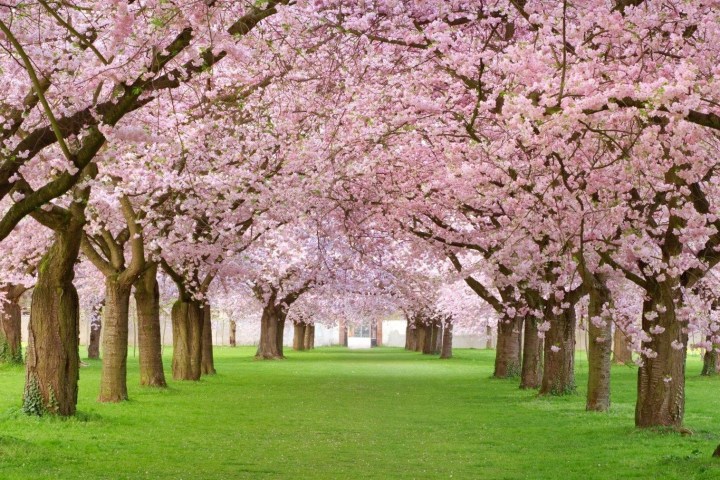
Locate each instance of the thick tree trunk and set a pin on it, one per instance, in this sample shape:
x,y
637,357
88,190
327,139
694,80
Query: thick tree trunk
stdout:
x,y
299,336
233,333
446,351
437,337
52,362
113,381
271,330
428,346
532,365
420,334
508,354
599,352
559,354
488,338
10,326
147,301
187,321
661,380
207,361
95,331
622,353
309,337
410,337
710,361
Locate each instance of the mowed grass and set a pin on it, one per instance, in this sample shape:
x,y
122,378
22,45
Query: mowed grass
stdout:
x,y
334,413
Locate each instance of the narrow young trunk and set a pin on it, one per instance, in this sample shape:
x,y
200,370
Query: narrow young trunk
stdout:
x,y
309,337
379,334
532,365
207,362
10,326
559,354
299,336
187,321
270,331
53,359
343,331
95,331
508,354
599,352
233,333
661,380
488,338
622,354
710,360
113,380
446,350
147,301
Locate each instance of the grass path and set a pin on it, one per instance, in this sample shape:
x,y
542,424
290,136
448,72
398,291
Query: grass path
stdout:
x,y
335,414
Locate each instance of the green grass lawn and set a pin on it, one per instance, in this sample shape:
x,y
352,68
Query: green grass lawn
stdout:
x,y
334,413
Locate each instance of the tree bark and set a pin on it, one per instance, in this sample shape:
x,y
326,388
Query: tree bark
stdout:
x,y
309,337
52,363
559,366
207,361
233,333
147,301
299,336
272,324
710,360
410,337
10,325
599,351
420,334
343,331
622,354
488,338
113,381
95,331
428,344
187,321
661,380
508,354
532,365
438,337
379,334
446,351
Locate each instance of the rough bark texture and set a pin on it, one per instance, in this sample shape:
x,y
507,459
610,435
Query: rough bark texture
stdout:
x,y
446,351
532,365
410,337
428,344
187,322
52,362
233,333
710,361
272,325
622,354
420,334
309,337
10,325
508,354
95,331
207,361
488,338
147,301
559,366
299,335
661,380
599,352
113,380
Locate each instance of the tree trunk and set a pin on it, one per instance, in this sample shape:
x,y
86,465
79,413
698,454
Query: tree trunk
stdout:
x,y
710,360
661,380
508,355
10,326
52,362
420,333
207,362
622,354
233,333
343,330
95,330
438,337
446,350
410,337
599,351
488,338
559,366
147,301
271,331
309,337
379,334
532,365
299,336
428,347
187,321
113,380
